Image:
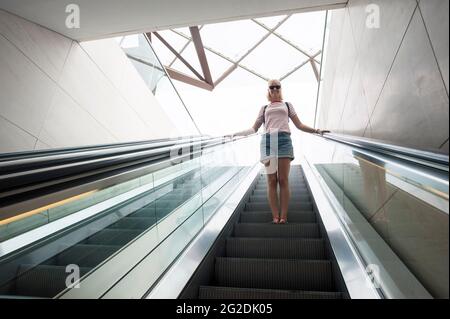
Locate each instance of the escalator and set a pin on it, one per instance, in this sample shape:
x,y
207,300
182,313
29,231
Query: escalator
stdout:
x,y
184,219
269,261
91,207
366,219
48,278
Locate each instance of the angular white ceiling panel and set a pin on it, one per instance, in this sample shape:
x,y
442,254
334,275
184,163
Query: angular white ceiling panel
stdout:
x,y
110,18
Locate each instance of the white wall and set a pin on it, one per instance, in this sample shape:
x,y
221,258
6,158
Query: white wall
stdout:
x,y
389,83
55,92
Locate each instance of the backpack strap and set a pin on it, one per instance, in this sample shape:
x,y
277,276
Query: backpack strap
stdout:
x,y
264,114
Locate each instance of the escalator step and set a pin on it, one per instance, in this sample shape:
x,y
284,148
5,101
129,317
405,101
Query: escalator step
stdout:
x,y
292,206
315,275
292,179
42,280
294,192
134,223
290,230
163,212
173,197
292,182
292,202
145,212
165,204
83,255
292,187
282,248
112,237
213,292
266,217
158,211
264,199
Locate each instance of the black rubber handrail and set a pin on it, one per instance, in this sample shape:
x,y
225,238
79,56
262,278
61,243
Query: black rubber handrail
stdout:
x,y
433,159
40,155
73,155
33,176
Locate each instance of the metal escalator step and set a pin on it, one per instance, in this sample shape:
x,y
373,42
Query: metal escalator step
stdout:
x,y
179,191
276,248
296,187
145,212
214,292
262,192
173,193
290,230
164,211
161,212
164,204
292,179
289,274
292,206
182,198
292,173
292,182
112,237
42,280
134,223
165,201
187,190
173,197
266,217
292,185
83,255
189,184
167,208
263,198
293,202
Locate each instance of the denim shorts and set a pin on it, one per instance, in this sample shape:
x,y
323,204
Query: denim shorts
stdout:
x,y
285,149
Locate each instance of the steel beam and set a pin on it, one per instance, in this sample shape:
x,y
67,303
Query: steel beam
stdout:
x,y
316,72
177,75
178,56
284,39
224,75
183,48
197,39
233,67
223,56
298,67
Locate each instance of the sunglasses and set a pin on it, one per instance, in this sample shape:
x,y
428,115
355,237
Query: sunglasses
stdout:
x,y
275,87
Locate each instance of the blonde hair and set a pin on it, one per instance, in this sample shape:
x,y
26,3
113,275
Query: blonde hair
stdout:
x,y
275,81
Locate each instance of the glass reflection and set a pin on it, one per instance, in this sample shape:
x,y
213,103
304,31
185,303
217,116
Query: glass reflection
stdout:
x,y
396,223
138,49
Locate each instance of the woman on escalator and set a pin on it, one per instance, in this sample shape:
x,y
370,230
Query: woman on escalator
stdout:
x,y
277,158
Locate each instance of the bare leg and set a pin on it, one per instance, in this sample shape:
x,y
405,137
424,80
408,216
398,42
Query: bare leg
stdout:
x,y
284,165
272,183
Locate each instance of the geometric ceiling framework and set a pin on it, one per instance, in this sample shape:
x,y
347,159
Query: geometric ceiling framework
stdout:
x,y
202,75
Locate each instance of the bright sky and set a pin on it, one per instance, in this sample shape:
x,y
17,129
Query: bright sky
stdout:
x,y
234,104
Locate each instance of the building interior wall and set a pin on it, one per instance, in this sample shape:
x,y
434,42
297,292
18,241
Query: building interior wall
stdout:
x,y
389,83
55,92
